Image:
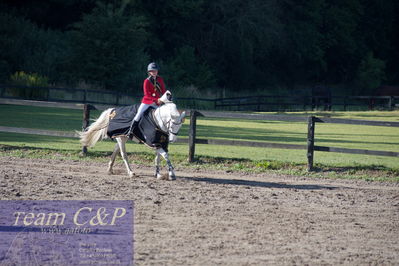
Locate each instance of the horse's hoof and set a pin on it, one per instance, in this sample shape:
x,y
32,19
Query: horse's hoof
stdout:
x,y
132,174
163,177
172,177
110,172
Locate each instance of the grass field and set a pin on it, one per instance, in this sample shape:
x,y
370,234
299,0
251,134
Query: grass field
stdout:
x,y
226,157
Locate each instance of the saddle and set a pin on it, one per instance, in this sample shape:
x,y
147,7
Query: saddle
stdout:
x,y
147,132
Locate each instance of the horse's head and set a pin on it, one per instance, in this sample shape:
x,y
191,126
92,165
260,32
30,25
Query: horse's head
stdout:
x,y
171,119
166,97
175,121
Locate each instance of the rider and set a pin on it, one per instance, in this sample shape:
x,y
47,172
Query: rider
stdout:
x,y
154,88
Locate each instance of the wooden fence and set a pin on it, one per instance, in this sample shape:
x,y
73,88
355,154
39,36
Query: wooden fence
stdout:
x,y
299,103
310,147
74,106
67,95
312,120
249,103
193,138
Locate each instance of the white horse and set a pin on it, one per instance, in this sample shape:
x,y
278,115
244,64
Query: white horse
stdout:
x,y
167,118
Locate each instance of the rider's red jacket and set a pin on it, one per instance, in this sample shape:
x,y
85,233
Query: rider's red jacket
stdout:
x,y
151,95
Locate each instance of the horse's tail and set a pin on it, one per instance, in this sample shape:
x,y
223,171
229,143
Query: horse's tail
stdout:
x,y
96,131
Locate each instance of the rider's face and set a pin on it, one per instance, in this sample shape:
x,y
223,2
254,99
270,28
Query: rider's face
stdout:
x,y
153,73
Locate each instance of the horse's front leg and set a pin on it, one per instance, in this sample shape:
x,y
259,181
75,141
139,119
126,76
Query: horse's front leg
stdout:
x,y
122,146
113,156
165,155
157,161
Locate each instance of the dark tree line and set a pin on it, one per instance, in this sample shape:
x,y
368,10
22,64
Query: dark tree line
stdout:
x,y
207,44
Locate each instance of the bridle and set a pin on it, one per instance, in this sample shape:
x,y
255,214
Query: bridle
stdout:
x,y
170,128
168,123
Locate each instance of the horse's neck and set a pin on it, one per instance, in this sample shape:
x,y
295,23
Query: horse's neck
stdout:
x,y
159,119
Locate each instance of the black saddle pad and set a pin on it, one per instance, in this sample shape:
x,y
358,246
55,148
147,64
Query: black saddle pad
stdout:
x,y
121,120
147,131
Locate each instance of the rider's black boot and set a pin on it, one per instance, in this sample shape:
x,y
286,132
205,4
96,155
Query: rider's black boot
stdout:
x,y
132,128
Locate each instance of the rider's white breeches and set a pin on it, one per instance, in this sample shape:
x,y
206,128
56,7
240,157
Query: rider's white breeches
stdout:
x,y
142,108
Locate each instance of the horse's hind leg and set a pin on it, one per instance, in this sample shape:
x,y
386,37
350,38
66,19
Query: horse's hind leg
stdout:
x,y
165,155
113,156
157,161
122,146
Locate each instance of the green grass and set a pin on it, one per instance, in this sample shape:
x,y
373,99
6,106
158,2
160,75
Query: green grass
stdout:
x,y
40,117
230,158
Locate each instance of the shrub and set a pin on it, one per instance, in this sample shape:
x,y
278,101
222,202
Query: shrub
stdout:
x,y
273,165
24,45
30,80
32,86
371,74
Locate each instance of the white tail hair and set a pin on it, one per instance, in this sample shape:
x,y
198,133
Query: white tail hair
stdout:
x,y
96,131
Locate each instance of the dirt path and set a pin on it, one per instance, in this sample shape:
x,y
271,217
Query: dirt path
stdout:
x,y
228,218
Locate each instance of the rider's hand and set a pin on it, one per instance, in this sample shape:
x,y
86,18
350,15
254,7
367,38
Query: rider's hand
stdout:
x,y
159,101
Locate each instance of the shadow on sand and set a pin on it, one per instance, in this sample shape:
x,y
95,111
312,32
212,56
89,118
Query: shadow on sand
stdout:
x,y
241,182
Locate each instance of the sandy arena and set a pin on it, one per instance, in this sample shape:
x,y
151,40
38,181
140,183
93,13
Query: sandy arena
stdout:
x,y
219,218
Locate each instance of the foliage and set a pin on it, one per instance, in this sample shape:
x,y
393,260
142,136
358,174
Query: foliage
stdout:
x,y
184,70
343,46
301,52
274,165
240,40
32,80
4,70
108,48
228,44
31,85
371,73
26,47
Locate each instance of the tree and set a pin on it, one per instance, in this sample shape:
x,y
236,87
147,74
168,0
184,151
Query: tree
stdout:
x,y
380,34
301,55
29,48
173,23
184,69
49,14
371,74
239,45
342,40
108,48
239,37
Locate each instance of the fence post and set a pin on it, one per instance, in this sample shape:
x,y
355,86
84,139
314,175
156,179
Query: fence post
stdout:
x,y
85,123
391,104
311,126
192,136
371,104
